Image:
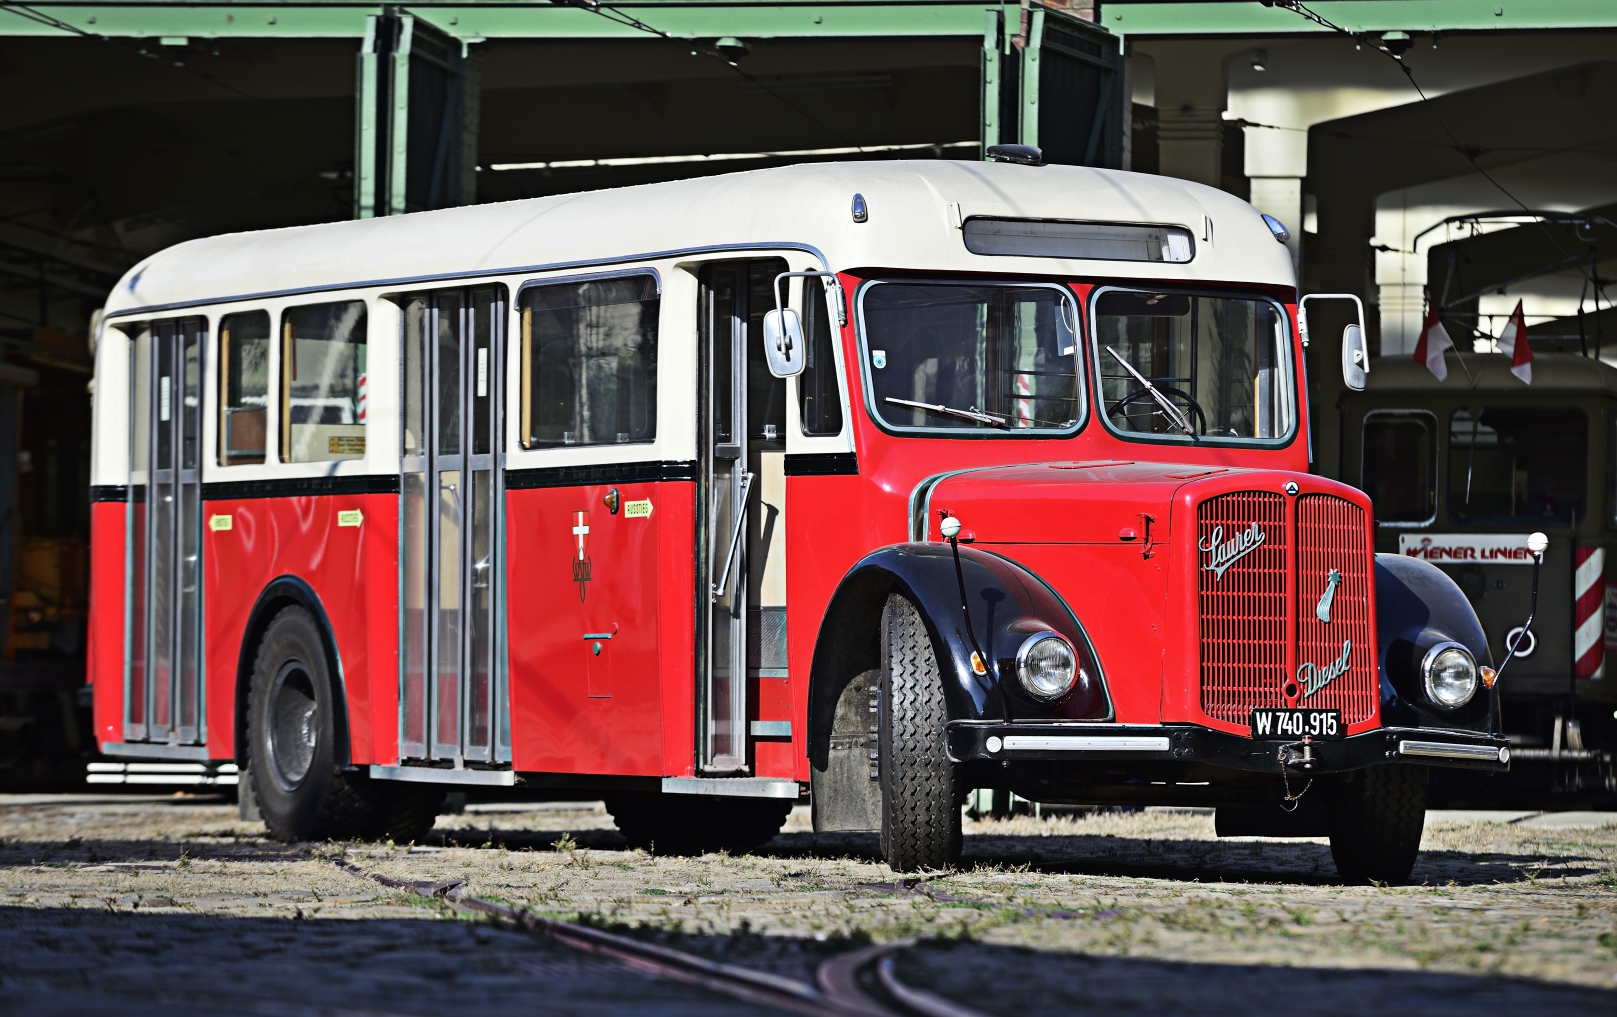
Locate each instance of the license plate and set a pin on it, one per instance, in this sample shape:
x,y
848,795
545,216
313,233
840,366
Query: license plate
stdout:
x,y
1325,725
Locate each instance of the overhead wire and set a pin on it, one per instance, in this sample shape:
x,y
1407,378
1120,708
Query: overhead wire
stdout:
x,y
1469,153
630,21
41,18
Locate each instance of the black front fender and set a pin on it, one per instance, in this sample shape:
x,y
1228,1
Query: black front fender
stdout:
x,y
1008,604
1417,607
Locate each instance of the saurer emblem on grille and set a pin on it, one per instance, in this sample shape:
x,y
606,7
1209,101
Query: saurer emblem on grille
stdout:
x,y
1323,610
1221,553
1312,677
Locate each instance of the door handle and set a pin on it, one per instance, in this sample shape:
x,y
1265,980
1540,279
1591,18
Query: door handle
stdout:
x,y
722,587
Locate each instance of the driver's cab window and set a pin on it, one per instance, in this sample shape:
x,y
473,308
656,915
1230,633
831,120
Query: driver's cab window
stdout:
x,y
1177,364
1399,470
1517,464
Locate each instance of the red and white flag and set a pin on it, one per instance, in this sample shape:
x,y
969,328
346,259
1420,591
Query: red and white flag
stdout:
x,y
1513,340
1434,339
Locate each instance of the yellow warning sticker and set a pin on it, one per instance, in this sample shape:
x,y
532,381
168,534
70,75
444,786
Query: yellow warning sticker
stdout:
x,y
221,522
637,509
346,445
350,517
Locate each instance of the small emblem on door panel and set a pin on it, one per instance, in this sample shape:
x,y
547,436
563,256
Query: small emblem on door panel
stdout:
x,y
350,517
1221,553
221,522
581,560
640,509
1322,611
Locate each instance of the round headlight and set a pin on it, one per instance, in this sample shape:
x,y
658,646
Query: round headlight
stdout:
x,y
1449,673
1046,665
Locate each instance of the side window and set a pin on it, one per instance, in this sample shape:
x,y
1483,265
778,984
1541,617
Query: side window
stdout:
x,y
589,362
244,341
1400,466
818,402
323,382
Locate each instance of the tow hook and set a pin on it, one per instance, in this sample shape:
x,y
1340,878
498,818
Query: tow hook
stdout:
x,y
1298,755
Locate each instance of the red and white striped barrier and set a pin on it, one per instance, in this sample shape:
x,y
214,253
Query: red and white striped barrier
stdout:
x,y
1589,613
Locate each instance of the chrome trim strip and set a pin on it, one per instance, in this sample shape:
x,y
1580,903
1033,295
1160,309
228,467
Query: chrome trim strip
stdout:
x,y
472,274
738,787
1449,750
156,750
771,729
1080,743
434,775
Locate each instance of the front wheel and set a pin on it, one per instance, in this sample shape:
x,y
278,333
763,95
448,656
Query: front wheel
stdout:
x,y
302,791
920,819
1375,819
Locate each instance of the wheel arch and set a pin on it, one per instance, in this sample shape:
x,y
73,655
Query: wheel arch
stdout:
x,y
849,639
1417,607
283,592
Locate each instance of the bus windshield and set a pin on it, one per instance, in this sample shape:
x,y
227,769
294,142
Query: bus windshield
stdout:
x,y
1521,464
963,357
1190,365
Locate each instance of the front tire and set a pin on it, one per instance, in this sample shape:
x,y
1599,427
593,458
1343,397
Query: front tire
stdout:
x,y
920,822
1376,818
302,791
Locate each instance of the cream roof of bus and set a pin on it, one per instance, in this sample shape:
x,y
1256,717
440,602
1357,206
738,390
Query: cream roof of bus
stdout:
x,y
1491,371
911,226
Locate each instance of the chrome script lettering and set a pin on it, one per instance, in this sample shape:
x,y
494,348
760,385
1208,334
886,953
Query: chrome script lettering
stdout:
x,y
1313,678
1224,553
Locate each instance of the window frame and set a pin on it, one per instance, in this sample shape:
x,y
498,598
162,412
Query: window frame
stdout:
x,y
523,375
1081,396
221,414
1293,397
281,379
1437,467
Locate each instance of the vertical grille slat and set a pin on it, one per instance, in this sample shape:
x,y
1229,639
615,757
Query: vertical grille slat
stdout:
x,y
1243,613
1246,641
1330,534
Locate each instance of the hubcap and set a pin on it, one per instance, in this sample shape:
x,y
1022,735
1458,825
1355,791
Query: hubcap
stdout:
x,y
294,725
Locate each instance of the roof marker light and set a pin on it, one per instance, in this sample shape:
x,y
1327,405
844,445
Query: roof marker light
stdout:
x,y
1277,227
861,212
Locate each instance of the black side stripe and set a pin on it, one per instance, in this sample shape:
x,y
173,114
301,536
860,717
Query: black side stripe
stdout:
x,y
823,464
300,487
109,492
617,473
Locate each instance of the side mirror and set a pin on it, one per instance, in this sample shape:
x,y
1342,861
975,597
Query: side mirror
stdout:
x,y
783,343
1355,358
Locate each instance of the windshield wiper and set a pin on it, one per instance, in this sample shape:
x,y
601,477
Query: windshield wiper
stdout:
x,y
1169,409
981,418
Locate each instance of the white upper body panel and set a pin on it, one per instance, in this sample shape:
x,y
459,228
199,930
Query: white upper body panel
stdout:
x,y
915,211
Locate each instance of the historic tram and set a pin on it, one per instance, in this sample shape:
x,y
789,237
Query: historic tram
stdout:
x,y
877,481
1458,472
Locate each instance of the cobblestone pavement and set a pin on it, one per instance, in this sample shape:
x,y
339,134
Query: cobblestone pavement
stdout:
x,y
173,905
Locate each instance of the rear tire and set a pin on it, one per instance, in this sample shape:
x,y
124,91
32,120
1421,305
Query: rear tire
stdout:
x,y
404,811
1376,818
300,787
673,824
920,826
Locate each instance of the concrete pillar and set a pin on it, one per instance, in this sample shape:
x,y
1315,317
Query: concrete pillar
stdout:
x,y
1190,99
1282,197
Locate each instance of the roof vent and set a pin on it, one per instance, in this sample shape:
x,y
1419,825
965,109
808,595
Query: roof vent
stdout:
x,y
1022,155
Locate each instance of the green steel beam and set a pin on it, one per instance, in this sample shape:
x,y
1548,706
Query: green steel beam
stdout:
x,y
344,19
1249,17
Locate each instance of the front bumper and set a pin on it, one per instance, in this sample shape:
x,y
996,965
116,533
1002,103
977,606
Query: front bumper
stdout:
x,y
999,742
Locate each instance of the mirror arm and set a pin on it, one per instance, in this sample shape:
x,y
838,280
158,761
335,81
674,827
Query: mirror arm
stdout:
x,y
1302,310
835,285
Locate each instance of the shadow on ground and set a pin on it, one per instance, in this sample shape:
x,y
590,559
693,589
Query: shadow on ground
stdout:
x,y
1242,860
72,961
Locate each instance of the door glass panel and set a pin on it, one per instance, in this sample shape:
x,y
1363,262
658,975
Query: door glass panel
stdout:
x,y
447,633
416,311
448,387
480,617
140,429
818,402
162,533
190,609
482,369
414,652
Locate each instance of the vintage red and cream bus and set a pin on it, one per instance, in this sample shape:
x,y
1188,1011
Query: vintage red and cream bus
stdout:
x,y
870,483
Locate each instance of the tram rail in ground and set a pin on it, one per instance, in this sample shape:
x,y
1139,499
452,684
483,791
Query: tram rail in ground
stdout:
x,y
857,983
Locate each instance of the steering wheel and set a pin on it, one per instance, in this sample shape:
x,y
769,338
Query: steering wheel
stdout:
x,y
1197,415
